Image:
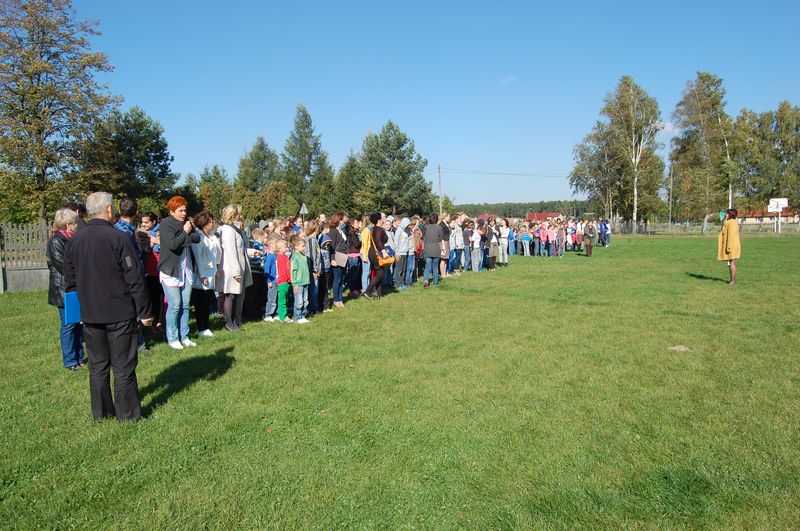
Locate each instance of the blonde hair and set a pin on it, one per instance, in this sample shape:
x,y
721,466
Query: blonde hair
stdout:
x,y
281,245
257,234
230,212
64,217
312,227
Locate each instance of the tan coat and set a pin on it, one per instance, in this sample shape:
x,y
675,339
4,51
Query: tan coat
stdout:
x,y
729,247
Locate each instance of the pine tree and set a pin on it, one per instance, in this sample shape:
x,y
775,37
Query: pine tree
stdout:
x,y
258,167
303,157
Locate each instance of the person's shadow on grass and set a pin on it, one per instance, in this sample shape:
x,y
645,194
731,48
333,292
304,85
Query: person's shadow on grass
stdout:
x,y
184,374
704,277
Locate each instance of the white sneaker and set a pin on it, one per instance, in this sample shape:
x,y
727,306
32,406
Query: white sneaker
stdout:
x,y
205,333
302,320
268,319
188,343
176,345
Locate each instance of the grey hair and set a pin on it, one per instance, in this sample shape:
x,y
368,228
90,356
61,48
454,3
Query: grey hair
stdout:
x,y
64,217
97,203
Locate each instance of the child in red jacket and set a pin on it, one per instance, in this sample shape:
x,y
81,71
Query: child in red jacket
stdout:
x,y
283,280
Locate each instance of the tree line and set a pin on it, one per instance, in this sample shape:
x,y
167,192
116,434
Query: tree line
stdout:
x,y
714,162
63,135
520,210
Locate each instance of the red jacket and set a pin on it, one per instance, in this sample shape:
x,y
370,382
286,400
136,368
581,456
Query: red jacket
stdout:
x,y
284,269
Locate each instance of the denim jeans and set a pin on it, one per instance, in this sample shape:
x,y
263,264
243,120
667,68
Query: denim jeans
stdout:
x,y
455,261
177,316
312,296
71,341
400,266
338,283
300,301
353,275
364,274
512,247
272,301
467,259
411,264
432,267
477,257
526,247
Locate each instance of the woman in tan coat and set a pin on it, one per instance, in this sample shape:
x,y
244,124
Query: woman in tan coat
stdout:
x,y
729,247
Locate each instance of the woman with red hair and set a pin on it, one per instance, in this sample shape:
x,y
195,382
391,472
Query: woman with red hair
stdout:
x,y
175,271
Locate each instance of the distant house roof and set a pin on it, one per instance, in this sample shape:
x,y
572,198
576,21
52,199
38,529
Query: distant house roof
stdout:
x,y
764,213
484,217
541,216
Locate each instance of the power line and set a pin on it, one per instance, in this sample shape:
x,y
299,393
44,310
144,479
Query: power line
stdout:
x,y
504,173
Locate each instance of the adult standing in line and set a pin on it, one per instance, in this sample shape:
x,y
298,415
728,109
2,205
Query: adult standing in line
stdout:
x,y
339,259
505,233
176,271
378,241
235,266
404,240
589,236
128,210
207,253
432,249
101,265
493,241
444,223
729,247
66,223
366,243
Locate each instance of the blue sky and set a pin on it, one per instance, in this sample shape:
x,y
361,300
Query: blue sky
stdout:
x,y
490,86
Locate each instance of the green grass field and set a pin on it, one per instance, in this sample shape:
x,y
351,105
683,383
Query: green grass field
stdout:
x,y
543,395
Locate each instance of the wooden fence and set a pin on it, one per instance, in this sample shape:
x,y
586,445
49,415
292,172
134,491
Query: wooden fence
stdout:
x,y
23,246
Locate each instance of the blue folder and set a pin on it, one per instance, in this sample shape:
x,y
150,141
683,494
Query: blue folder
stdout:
x,y
72,308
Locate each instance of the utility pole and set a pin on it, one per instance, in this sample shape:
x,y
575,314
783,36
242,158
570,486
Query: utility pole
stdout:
x,y
441,198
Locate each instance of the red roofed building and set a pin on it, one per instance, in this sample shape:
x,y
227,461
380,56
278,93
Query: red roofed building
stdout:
x,y
541,216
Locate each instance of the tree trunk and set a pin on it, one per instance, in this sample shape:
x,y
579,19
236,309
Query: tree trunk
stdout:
x,y
635,200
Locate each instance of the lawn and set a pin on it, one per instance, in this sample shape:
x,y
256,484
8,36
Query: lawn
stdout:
x,y
542,395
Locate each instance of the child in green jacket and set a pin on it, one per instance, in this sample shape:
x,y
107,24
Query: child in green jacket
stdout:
x,y
301,278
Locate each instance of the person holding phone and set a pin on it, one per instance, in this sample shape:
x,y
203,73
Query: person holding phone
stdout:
x,y
175,271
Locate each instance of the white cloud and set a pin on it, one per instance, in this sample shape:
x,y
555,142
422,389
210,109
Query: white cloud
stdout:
x,y
508,79
669,128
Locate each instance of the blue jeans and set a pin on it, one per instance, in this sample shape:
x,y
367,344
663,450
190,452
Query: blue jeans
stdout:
x,y
432,266
364,274
467,259
71,341
312,296
512,247
177,316
300,302
272,301
411,264
338,283
537,247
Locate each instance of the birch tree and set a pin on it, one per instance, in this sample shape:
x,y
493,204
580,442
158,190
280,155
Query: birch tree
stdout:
x,y
634,121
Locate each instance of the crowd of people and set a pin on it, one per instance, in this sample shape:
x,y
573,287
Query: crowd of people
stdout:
x,y
132,270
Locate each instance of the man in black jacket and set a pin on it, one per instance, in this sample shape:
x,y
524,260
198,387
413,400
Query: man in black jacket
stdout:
x,y
102,266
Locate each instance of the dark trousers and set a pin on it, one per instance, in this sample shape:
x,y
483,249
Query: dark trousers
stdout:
x,y
156,293
376,285
113,346
401,270
202,300
588,247
323,290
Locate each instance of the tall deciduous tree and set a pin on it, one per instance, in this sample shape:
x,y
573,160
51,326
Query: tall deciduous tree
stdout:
x,y
701,157
49,96
259,167
598,169
303,157
634,121
126,155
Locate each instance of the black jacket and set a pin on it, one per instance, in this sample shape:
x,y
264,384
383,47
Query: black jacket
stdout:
x,y
55,262
101,264
173,241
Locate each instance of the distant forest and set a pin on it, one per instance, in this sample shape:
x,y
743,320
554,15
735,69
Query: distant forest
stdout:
x,y
518,210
